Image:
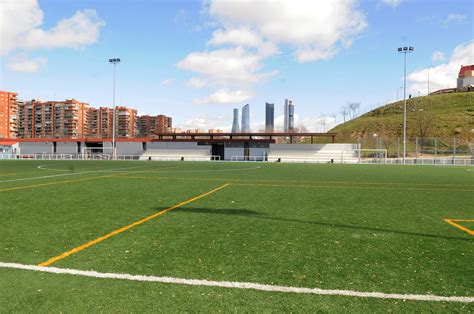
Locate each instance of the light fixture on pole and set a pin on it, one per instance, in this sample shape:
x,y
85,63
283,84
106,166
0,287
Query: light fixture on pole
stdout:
x,y
113,61
405,50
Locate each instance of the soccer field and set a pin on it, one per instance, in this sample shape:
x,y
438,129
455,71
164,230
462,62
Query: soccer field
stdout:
x,y
217,236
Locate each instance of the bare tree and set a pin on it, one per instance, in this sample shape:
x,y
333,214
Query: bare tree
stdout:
x,y
424,123
323,122
344,112
354,109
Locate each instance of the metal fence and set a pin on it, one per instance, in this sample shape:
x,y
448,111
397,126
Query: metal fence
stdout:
x,y
421,147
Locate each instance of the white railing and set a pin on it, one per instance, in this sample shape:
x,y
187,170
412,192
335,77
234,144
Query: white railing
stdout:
x,y
443,161
346,157
106,157
181,158
248,158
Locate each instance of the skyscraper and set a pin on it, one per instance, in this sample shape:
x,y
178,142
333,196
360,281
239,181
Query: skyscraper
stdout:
x,y
235,123
289,118
269,117
246,118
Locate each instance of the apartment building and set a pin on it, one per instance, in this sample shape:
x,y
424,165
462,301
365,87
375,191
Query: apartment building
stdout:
x,y
53,119
126,122
8,114
149,125
100,122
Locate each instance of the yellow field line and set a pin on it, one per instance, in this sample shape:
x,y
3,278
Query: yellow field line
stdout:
x,y
139,222
452,223
299,181
68,181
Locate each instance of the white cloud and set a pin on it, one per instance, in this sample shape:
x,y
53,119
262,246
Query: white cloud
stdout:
x,y
249,32
391,3
205,123
21,21
438,56
311,124
232,66
236,36
443,75
316,28
225,97
22,64
196,82
455,18
167,82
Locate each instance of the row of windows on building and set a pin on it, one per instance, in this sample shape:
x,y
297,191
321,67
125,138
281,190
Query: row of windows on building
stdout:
x,y
73,119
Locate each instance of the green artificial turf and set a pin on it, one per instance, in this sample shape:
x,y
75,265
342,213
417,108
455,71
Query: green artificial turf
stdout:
x,y
351,227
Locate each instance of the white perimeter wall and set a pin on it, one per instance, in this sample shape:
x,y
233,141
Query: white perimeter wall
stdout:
x,y
178,146
35,148
66,148
129,148
313,147
233,151
259,152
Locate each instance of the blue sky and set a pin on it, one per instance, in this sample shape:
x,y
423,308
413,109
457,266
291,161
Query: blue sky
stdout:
x,y
321,55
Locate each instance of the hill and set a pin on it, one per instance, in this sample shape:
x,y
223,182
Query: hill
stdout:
x,y
443,116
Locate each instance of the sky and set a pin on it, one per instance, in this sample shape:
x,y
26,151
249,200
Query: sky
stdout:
x,y
197,60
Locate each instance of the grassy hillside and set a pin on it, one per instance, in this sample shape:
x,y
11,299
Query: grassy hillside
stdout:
x,y
449,115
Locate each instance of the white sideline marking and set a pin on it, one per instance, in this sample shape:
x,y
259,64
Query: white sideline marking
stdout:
x,y
67,174
204,170
240,285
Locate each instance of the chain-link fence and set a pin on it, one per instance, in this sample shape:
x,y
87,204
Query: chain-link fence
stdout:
x,y
420,147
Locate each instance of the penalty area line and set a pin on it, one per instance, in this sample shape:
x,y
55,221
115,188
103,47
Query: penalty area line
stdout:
x,y
239,285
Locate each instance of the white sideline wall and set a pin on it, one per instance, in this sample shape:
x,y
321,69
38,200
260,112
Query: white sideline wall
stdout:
x,y
35,148
233,151
66,148
258,152
313,147
129,148
177,145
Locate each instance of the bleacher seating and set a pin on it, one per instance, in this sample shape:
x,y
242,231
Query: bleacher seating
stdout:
x,y
317,153
176,154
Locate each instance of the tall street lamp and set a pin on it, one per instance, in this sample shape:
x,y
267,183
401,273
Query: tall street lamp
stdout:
x,y
405,50
113,61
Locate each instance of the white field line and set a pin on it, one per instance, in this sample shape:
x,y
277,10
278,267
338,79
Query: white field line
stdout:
x,y
240,285
186,171
67,174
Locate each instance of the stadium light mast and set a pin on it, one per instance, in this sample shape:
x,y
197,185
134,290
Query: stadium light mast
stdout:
x,y
113,61
405,50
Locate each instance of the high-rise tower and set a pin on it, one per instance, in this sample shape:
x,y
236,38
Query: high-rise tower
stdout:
x,y
289,116
269,117
246,118
235,123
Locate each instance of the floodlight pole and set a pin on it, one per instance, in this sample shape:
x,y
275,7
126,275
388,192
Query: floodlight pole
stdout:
x,y
405,50
113,61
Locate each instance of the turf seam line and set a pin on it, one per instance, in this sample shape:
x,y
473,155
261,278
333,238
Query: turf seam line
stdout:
x,y
127,227
240,285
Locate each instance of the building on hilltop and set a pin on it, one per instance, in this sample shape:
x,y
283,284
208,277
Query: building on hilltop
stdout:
x,y
466,78
246,119
269,117
8,114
